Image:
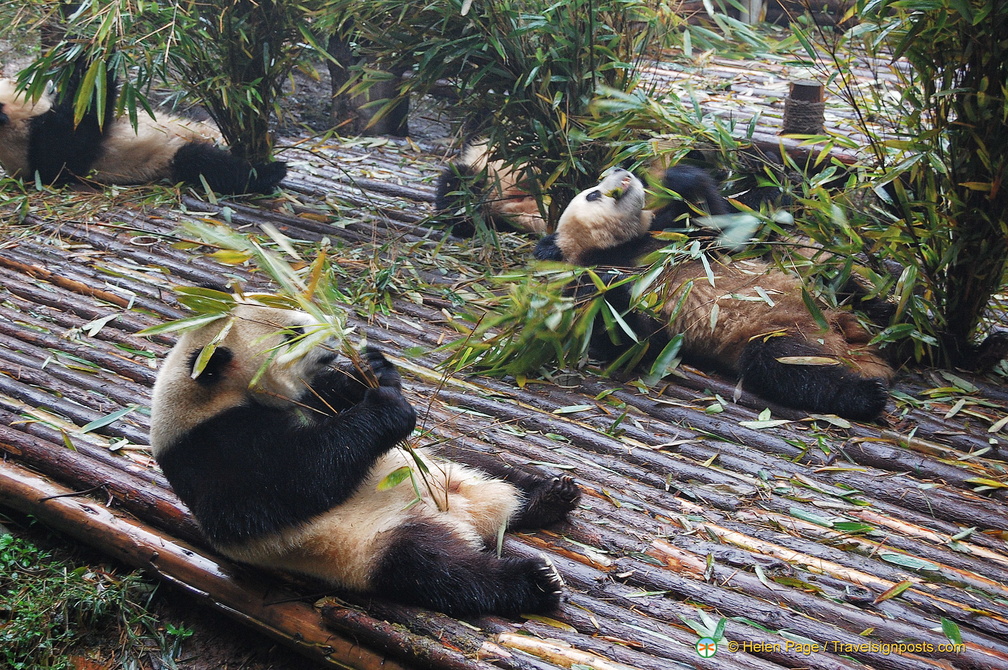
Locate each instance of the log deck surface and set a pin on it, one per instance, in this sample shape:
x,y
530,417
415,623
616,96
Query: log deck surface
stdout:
x,y
820,545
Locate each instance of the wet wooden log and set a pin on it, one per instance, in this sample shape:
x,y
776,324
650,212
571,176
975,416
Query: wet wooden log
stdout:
x,y
130,485
424,651
44,274
249,600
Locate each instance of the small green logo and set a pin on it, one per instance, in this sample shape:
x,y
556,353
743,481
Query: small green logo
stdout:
x,y
706,647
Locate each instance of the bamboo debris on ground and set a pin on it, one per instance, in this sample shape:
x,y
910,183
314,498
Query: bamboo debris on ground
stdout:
x,y
685,513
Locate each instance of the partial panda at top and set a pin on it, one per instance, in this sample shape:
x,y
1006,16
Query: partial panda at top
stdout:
x,y
39,138
279,448
504,197
743,317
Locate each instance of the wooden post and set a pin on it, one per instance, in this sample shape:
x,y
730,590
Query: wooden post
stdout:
x,y
804,109
752,12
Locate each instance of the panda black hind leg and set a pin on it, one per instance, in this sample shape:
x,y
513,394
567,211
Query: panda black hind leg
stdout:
x,y
223,171
429,565
546,499
816,388
449,201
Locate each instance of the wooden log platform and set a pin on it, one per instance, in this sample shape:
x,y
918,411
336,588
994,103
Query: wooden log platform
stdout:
x,y
813,542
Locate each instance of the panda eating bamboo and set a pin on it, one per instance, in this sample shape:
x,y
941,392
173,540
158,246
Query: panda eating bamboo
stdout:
x,y
284,459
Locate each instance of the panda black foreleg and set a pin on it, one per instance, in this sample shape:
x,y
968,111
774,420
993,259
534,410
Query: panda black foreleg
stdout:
x,y
62,148
816,388
546,249
428,565
223,171
696,187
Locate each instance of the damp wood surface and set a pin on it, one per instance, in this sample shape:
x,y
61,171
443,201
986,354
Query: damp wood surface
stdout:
x,y
820,543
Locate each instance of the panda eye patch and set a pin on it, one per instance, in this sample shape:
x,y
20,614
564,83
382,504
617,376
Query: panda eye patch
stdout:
x,y
593,196
293,332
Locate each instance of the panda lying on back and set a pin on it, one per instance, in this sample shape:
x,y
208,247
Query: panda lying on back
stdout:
x,y
278,453
41,138
760,321
506,200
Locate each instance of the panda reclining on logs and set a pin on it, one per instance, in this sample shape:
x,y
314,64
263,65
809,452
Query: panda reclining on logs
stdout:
x,y
507,202
278,453
41,138
763,332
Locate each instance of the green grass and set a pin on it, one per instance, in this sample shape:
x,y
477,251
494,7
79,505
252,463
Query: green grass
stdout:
x,y
55,614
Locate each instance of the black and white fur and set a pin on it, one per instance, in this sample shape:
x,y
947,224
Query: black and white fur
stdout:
x,y
503,196
745,317
278,453
41,139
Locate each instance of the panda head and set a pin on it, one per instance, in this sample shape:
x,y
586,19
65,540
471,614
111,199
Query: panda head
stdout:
x,y
16,113
256,354
603,217
16,107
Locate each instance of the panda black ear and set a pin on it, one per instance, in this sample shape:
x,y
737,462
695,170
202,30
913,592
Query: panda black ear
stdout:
x,y
593,196
213,370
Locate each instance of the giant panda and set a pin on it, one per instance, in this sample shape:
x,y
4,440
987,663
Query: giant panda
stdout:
x,y
745,317
506,200
40,138
504,196
279,451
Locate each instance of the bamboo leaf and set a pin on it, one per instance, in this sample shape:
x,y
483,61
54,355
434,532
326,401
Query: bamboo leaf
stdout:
x,y
951,630
573,409
394,478
893,591
107,419
906,561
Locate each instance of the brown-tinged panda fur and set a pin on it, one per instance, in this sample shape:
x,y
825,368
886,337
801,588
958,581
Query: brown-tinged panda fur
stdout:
x,y
42,139
762,330
505,200
278,452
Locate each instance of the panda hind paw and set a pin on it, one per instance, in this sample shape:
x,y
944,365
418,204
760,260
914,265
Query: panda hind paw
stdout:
x,y
561,492
863,400
548,503
545,585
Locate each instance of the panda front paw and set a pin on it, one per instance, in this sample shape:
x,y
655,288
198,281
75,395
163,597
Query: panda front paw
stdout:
x,y
393,414
383,370
547,250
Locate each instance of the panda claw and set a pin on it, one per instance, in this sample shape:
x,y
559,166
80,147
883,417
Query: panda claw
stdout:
x,y
548,585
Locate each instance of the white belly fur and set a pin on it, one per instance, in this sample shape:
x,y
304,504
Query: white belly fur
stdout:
x,y
342,545
144,155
